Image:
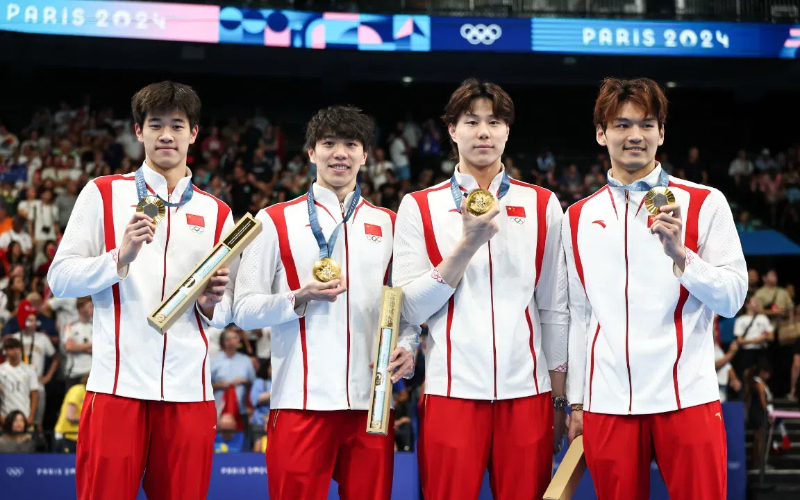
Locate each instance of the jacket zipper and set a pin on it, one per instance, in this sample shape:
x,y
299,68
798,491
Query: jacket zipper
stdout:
x,y
627,309
163,290
347,283
491,299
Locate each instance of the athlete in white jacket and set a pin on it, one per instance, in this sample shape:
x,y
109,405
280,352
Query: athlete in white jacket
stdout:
x,y
324,333
643,290
149,412
493,290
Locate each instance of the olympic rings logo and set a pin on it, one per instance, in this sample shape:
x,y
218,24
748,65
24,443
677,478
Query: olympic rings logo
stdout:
x,y
373,238
480,33
518,220
15,471
197,229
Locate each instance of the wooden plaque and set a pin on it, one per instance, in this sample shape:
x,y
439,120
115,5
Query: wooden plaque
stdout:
x,y
380,397
569,473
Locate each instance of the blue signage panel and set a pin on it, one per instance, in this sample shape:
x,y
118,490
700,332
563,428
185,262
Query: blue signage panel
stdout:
x,y
663,38
480,34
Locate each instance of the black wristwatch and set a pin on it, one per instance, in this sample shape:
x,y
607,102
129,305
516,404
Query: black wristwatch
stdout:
x,y
560,403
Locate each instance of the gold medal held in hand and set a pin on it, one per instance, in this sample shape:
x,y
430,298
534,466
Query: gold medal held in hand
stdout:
x,y
658,197
326,269
479,202
153,207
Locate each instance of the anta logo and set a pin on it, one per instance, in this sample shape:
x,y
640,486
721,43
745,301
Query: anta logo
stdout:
x,y
599,223
719,415
374,233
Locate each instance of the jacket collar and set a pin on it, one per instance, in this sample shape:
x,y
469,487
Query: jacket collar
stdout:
x,y
158,183
328,199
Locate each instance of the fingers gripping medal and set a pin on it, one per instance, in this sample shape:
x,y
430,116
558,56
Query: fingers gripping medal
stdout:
x,y
326,268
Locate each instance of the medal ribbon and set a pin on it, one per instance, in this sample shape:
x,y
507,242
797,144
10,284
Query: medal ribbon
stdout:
x,y
455,189
640,185
141,190
326,247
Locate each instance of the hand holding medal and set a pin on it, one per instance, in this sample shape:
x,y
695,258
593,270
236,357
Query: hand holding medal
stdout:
x,y
666,222
141,229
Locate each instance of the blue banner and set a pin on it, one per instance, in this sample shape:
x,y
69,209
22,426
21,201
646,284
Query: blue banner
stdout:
x,y
480,34
396,33
244,475
663,38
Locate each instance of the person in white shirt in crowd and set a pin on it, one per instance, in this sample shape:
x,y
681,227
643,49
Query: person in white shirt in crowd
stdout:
x,y
45,220
323,326
156,387
740,166
398,152
492,289
77,340
8,142
37,348
19,384
18,234
378,169
754,331
65,202
643,289
27,206
726,375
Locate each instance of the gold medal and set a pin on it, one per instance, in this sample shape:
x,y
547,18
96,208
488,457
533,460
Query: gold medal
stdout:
x,y
326,269
658,197
153,207
479,201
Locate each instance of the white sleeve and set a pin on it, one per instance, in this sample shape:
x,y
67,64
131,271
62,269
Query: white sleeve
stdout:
x,y
82,266
254,304
408,336
580,314
412,270
48,348
552,298
717,273
767,324
223,311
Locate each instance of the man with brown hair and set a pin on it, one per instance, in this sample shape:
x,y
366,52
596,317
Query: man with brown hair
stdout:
x,y
492,289
315,276
149,414
650,260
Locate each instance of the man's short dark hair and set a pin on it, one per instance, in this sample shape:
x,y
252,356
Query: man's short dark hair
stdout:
x,y
11,343
346,122
164,97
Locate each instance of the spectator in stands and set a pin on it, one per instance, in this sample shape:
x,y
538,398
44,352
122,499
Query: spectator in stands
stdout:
x,y
216,187
753,332
695,170
19,385
14,256
15,438
18,234
6,222
43,323
228,440
77,338
45,220
741,168
260,395
378,168
399,153
212,145
44,258
241,190
726,375
15,294
8,143
775,301
753,282
66,429
744,225
545,162
765,162
230,368
65,202
757,400
571,184
36,349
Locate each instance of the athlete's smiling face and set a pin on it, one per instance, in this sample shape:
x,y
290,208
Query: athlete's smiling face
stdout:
x,y
166,137
338,161
632,138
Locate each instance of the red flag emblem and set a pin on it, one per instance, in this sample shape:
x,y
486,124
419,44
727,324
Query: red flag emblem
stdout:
x,y
515,211
195,220
373,230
